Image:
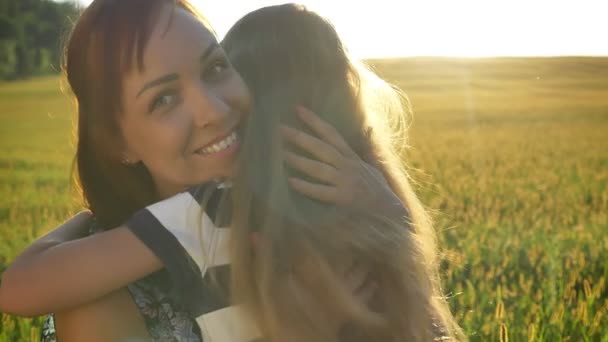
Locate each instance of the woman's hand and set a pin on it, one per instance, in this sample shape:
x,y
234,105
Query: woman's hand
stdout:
x,y
345,179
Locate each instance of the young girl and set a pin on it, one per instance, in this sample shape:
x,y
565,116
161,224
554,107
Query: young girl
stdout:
x,y
287,251
290,56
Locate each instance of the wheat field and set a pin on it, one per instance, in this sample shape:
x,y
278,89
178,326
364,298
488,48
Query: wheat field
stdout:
x,y
509,154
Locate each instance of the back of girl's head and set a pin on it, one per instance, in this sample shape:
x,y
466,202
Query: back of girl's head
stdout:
x,y
107,41
290,57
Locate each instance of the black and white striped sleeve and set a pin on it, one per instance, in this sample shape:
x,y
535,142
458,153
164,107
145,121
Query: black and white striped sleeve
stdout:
x,y
183,236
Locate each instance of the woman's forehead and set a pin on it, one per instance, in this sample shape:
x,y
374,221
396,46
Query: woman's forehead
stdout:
x,y
176,43
177,34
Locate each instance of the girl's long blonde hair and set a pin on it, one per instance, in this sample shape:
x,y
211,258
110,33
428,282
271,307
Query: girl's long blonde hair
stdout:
x,y
291,284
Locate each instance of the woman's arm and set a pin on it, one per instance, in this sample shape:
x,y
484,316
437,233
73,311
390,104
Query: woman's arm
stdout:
x,y
51,276
74,228
55,273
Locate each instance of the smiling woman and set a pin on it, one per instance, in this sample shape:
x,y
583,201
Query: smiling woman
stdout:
x,y
158,103
186,99
176,95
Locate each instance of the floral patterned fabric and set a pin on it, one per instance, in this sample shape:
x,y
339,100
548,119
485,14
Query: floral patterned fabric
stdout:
x,y
48,330
166,320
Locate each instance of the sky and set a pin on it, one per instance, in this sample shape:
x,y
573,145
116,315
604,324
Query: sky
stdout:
x,y
461,28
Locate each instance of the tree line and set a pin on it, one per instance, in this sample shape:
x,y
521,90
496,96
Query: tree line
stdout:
x,y
32,33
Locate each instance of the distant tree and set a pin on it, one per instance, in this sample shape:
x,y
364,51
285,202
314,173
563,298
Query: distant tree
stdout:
x,y
31,33
7,28
8,59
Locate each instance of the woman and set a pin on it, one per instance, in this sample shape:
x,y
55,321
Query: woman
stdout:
x,y
306,187
121,59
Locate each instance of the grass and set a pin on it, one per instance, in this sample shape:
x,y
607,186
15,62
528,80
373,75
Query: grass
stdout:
x,y
511,156
35,179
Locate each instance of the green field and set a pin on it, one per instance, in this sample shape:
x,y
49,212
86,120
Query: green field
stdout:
x,y
511,155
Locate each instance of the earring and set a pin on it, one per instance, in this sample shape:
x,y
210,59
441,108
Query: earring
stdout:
x,y
125,161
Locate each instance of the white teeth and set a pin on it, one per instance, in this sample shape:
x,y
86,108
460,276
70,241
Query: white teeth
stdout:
x,y
220,145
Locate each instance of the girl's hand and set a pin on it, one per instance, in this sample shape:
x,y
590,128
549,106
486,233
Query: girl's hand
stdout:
x,y
345,179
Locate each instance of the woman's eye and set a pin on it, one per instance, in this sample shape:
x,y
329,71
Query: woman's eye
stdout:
x,y
163,100
216,70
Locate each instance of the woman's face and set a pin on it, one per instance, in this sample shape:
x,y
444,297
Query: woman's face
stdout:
x,y
183,110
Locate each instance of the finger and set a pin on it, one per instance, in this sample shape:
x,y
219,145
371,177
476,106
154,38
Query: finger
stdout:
x,y
324,130
316,147
321,171
324,193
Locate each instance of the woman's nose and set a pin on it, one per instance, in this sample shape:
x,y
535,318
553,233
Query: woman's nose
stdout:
x,y
209,107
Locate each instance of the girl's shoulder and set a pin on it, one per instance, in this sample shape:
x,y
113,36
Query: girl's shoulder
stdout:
x,y
112,317
164,318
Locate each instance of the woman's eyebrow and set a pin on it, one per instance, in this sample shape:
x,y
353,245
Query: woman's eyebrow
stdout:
x,y
173,77
209,50
158,81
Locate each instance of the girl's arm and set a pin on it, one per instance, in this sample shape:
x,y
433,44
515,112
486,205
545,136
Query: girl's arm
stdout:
x,y
55,273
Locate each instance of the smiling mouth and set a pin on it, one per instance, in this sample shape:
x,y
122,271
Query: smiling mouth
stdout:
x,y
219,146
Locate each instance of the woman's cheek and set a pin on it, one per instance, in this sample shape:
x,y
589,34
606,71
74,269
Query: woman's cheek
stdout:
x,y
238,94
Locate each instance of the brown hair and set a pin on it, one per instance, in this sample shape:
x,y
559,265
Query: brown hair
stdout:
x,y
289,56
107,41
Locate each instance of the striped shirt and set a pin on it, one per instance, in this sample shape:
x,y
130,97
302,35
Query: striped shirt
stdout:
x,y
192,244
